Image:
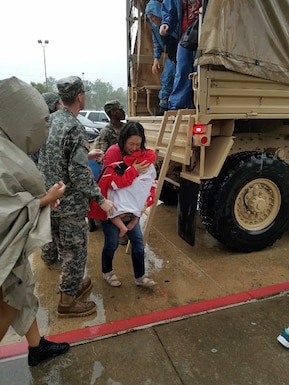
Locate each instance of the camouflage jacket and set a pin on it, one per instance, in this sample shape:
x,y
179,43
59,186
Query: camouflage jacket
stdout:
x,y
64,158
108,136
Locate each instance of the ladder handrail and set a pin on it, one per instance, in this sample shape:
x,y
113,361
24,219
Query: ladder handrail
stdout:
x,y
165,164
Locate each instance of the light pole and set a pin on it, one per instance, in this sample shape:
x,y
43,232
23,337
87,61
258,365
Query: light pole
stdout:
x,y
43,45
83,79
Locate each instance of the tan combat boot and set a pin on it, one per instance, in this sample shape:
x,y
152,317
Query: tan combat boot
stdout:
x,y
85,288
68,306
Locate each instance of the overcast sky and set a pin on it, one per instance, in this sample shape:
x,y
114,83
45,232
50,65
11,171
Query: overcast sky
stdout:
x,y
87,37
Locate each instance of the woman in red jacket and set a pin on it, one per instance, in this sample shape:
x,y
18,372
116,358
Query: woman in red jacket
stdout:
x,y
131,140
129,191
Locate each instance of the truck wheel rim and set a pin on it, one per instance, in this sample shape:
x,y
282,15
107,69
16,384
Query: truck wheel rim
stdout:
x,y
257,204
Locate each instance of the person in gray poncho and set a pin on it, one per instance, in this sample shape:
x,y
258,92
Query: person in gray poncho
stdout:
x,y
24,213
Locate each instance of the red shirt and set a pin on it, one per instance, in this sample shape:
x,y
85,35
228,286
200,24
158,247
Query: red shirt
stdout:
x,y
193,12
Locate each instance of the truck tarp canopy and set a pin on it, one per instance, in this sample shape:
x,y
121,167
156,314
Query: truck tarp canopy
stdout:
x,y
247,36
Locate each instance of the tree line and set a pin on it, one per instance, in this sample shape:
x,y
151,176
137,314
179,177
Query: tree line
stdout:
x,y
97,93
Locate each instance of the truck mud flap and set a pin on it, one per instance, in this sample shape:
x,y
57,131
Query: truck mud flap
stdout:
x,y
187,210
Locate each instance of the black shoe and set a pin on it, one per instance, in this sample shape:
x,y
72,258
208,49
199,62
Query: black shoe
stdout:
x,y
44,350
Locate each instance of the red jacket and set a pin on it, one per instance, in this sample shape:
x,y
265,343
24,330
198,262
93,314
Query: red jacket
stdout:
x,y
122,174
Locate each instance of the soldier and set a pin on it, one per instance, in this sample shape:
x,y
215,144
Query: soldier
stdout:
x,y
49,252
110,133
109,136
54,103
64,157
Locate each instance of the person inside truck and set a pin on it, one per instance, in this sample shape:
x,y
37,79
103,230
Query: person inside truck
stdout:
x,y
167,44
180,14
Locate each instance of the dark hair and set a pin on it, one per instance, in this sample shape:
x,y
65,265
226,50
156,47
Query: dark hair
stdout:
x,y
129,129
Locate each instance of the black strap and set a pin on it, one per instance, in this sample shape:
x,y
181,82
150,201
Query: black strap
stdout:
x,y
119,169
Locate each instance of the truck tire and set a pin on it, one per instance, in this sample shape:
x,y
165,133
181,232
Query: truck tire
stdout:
x,y
246,206
210,187
169,194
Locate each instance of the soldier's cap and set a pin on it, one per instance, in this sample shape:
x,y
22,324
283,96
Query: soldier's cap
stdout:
x,y
111,105
51,99
70,87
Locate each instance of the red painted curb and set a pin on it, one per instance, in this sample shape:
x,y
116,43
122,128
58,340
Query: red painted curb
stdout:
x,y
125,325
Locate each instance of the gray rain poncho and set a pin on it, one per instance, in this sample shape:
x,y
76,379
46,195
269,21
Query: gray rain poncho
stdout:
x,y
23,225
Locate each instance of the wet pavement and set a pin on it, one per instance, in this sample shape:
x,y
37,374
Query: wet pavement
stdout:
x,y
231,346
219,347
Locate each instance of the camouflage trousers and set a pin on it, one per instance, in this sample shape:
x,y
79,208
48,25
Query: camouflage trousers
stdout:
x,y
70,239
49,253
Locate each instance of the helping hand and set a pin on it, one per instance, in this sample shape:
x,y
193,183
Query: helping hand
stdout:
x,y
95,154
108,206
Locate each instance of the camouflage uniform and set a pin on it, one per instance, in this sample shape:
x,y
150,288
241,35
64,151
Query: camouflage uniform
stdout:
x,y
64,157
51,99
109,134
49,252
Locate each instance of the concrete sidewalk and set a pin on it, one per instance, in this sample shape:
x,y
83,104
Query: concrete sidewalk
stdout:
x,y
235,345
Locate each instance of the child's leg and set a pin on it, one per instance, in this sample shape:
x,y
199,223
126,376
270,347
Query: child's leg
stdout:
x,y
132,223
117,221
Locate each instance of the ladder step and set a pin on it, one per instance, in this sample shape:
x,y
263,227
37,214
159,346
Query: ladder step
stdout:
x,y
161,148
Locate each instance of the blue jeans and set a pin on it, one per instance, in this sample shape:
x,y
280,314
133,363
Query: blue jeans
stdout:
x,y
167,81
182,93
111,243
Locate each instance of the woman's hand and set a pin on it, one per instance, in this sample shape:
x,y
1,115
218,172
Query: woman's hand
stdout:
x,y
52,196
142,167
108,206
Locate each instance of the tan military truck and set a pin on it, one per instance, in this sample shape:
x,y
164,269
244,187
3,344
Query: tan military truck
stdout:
x,y
229,157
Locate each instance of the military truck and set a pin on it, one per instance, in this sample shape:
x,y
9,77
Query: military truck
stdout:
x,y
227,158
